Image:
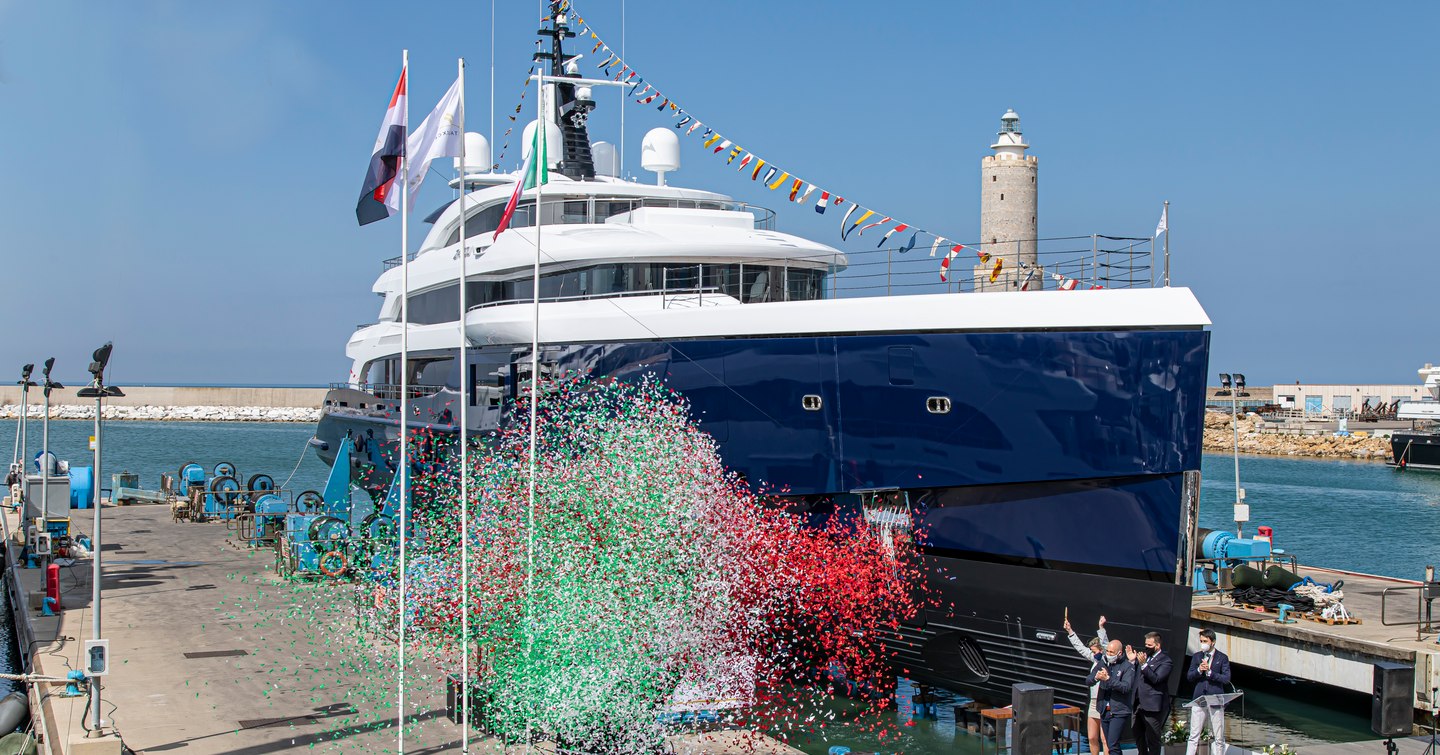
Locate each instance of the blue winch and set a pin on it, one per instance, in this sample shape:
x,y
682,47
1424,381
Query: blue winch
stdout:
x,y
1225,551
1225,546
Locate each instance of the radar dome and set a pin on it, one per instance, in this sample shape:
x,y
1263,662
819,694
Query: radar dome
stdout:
x,y
607,159
554,148
660,152
477,154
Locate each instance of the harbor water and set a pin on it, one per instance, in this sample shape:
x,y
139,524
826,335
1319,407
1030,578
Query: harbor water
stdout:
x,y
1331,513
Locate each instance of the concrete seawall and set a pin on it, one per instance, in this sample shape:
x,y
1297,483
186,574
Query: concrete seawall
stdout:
x,y
178,396
177,404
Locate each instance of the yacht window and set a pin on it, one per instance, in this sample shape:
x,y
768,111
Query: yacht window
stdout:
x,y
382,372
434,372
443,304
747,283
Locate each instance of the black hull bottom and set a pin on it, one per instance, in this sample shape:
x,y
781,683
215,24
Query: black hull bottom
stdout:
x,y
1006,627
1410,450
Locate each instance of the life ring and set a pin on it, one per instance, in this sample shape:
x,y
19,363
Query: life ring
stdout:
x,y
327,559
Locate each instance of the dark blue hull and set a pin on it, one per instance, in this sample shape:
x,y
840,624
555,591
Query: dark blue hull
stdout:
x,y
1047,468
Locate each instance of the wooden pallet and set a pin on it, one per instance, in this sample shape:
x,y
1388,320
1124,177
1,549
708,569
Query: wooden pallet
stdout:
x,y
1318,619
1253,607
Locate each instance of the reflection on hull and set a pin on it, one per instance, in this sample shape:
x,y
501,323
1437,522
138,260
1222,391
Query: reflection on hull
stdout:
x,y
1043,469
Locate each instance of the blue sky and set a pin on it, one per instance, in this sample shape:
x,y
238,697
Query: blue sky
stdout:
x,y
182,176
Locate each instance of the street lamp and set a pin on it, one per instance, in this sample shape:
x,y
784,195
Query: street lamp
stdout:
x,y
45,457
25,384
1242,509
98,391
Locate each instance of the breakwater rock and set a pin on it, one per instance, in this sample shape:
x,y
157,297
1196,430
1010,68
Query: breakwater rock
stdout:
x,y
1257,438
171,413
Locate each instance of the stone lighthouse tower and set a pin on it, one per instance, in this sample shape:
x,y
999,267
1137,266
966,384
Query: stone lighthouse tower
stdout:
x,y
1007,209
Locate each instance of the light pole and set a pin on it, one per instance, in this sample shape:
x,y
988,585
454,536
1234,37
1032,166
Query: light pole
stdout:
x,y
1242,510
45,458
98,391
25,384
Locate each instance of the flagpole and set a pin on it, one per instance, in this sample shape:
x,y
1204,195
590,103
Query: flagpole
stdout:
x,y
404,467
465,386
540,153
1167,243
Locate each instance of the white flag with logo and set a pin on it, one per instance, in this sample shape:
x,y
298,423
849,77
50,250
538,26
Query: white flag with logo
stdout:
x,y
439,135
1164,224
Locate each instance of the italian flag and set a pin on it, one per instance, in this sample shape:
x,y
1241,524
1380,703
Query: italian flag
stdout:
x,y
537,172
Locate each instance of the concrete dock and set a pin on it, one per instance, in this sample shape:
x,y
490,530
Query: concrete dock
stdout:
x,y
211,653
1338,655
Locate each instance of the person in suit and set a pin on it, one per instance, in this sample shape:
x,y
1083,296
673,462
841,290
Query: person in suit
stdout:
x,y
1116,677
1152,693
1210,671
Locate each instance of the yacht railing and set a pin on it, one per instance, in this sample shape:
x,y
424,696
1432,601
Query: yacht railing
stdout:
x,y
594,210
388,391
883,272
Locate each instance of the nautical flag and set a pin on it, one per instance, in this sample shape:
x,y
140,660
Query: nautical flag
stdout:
x,y
537,173
935,246
820,203
984,256
863,217
712,139
733,154
1068,284
631,93
1164,224
995,274
839,200
769,174
663,104
1029,276
693,126
651,98
723,146
707,134
598,43
746,159
438,135
377,200
881,221
897,229
908,245
759,163
795,189
945,263
779,181
806,196
683,121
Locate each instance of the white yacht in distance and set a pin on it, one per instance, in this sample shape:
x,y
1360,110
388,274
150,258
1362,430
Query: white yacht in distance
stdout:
x,y
1045,445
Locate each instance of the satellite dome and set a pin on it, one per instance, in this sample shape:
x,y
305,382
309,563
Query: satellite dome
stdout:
x,y
554,144
477,154
660,152
607,159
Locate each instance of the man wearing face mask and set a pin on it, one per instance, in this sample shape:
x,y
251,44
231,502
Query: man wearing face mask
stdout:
x,y
1210,671
1116,677
1152,693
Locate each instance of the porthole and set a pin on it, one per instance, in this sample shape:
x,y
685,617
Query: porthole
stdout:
x,y
812,402
937,405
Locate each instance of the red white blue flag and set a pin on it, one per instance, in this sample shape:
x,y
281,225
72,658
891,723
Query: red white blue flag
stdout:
x,y
379,197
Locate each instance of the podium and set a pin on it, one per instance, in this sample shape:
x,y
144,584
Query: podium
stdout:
x,y
1213,701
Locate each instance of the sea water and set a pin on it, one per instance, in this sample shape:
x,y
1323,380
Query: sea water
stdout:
x,y
1354,515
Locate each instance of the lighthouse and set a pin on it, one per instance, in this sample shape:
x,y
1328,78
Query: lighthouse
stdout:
x,y
1007,210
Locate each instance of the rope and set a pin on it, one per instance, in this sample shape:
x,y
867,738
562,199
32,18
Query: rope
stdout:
x,y
33,678
303,448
